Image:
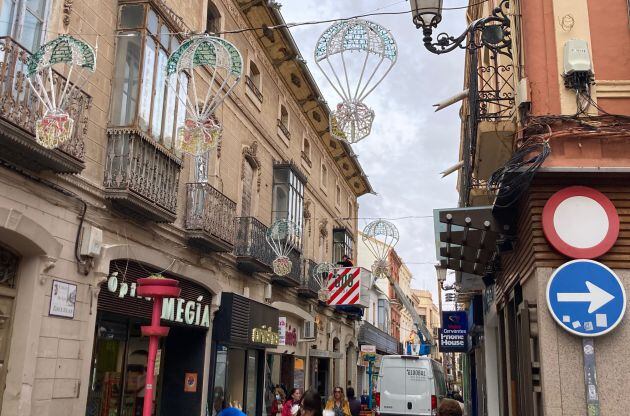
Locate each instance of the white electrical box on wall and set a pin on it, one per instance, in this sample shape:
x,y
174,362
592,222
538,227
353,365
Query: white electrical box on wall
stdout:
x,y
91,241
577,57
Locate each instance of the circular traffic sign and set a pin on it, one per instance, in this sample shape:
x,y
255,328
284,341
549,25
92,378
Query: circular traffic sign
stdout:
x,y
580,222
586,298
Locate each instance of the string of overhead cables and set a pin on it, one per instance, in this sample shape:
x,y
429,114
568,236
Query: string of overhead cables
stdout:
x,y
275,27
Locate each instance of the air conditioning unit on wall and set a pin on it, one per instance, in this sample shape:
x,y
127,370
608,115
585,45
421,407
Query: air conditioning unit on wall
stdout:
x,y
309,331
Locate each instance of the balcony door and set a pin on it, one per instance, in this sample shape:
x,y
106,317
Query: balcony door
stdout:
x,y
246,193
24,21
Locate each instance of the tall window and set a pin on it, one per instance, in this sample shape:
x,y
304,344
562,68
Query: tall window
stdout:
x,y
343,244
141,97
288,195
324,176
383,315
337,194
213,20
306,150
284,116
24,21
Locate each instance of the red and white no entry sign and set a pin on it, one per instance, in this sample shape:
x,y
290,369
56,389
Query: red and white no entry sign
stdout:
x,y
580,222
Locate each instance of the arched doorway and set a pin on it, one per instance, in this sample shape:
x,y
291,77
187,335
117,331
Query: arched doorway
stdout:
x,y
9,263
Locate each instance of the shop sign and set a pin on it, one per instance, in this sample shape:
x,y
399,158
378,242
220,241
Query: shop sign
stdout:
x,y
454,332
185,311
63,297
265,335
190,383
282,330
368,352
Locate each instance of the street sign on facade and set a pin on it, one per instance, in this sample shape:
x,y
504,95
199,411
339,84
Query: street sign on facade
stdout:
x,y
580,222
586,298
454,332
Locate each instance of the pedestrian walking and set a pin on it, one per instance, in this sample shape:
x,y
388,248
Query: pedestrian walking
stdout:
x,y
449,407
353,402
278,401
292,404
338,403
311,404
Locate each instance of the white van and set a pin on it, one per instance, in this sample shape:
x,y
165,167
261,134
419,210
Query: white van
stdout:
x,y
409,385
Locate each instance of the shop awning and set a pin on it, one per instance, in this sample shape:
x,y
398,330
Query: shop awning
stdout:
x,y
384,343
465,238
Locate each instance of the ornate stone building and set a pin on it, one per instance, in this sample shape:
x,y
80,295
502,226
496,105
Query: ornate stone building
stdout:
x,y
79,225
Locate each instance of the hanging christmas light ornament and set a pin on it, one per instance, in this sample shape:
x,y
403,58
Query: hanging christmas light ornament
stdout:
x,y
223,66
355,56
380,237
56,126
283,236
321,273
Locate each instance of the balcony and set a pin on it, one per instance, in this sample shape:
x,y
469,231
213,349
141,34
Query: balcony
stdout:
x,y
209,218
19,108
294,278
253,254
141,178
308,286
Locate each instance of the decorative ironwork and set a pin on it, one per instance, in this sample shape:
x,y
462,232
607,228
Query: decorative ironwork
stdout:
x,y
8,268
251,241
284,129
250,155
252,86
20,106
211,212
496,92
492,32
309,280
140,173
380,237
283,236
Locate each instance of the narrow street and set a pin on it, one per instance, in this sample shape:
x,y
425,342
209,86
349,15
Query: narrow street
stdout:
x,y
314,207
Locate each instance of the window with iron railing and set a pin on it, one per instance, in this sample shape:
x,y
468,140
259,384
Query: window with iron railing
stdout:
x,y
141,96
288,196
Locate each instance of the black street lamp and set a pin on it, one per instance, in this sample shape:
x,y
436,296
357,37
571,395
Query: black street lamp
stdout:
x,y
492,31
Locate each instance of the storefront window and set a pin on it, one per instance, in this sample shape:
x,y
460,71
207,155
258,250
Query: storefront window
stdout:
x,y
236,380
252,382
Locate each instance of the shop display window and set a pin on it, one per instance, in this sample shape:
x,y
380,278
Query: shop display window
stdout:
x,y
236,380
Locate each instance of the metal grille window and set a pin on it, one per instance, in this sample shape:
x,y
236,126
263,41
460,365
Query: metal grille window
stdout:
x,y
343,244
24,21
288,195
141,97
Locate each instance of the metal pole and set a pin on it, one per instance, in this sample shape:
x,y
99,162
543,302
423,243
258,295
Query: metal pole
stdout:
x,y
370,363
147,408
590,377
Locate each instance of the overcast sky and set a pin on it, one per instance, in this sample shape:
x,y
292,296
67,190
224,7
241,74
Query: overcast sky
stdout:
x,y
409,144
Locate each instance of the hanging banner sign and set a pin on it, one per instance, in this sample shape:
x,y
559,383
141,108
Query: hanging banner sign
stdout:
x,y
282,330
454,332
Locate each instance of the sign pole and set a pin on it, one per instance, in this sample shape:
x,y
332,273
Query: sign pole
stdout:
x,y
370,364
590,377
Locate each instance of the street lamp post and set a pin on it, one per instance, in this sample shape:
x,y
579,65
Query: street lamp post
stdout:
x,y
441,278
492,31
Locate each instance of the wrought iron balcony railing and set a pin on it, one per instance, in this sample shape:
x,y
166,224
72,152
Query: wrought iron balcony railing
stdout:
x,y
141,178
495,97
20,107
253,253
209,217
252,86
308,286
283,128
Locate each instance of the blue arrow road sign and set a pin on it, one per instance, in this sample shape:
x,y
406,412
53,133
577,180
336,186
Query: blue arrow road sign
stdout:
x,y
586,298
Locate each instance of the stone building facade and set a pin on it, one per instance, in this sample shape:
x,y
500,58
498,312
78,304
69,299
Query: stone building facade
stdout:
x,y
119,183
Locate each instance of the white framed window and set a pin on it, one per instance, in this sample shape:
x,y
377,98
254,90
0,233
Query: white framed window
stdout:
x,y
24,21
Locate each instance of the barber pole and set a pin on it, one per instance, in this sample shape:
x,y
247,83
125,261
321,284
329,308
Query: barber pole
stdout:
x,y
344,286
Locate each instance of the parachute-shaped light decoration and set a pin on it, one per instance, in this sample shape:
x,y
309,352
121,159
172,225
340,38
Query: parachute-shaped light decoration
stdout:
x,y
355,56
56,126
283,236
224,64
380,237
321,273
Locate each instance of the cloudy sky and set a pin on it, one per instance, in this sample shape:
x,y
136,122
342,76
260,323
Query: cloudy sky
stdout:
x,y
409,144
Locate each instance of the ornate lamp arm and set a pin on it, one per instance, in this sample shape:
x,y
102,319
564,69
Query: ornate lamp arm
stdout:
x,y
492,32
